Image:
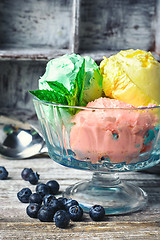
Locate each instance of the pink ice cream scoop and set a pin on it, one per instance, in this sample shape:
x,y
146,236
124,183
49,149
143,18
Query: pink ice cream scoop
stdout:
x,y
112,129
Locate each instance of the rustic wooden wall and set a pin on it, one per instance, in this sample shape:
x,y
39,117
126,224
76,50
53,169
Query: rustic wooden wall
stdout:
x,y
157,28
116,25
38,23
32,32
17,78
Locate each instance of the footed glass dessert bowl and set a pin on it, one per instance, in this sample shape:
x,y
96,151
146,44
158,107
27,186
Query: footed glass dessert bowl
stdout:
x,y
105,141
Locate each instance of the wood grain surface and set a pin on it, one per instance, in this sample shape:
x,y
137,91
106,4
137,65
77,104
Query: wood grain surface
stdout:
x,y
15,224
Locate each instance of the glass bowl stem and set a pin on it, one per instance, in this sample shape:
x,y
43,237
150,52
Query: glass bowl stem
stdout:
x,y
106,189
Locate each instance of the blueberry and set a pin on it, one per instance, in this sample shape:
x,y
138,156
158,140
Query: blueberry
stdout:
x,y
61,219
45,214
3,173
70,152
32,210
115,135
47,199
35,198
56,205
53,203
24,194
75,212
62,201
97,212
33,178
149,136
54,186
42,189
70,202
25,173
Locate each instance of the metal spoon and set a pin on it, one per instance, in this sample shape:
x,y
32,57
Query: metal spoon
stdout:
x,y
19,140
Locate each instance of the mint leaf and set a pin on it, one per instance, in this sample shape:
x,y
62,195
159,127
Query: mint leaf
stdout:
x,y
80,79
50,96
59,87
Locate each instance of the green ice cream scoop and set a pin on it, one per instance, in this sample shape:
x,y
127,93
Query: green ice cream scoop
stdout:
x,y
64,70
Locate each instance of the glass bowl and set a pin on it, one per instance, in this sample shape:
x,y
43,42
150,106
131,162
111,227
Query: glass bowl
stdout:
x,y
106,141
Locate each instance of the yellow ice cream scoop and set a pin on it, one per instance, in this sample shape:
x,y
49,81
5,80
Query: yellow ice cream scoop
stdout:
x,y
132,76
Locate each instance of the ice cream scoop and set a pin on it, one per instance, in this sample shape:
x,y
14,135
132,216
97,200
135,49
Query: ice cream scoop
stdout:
x,y
132,76
112,130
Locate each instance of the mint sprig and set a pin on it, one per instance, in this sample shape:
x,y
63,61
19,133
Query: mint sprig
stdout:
x,y
61,95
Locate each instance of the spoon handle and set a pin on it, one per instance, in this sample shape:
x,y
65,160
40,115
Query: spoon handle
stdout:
x,y
43,149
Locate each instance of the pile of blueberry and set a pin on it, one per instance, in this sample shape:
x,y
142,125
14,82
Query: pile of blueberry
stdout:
x,y
47,208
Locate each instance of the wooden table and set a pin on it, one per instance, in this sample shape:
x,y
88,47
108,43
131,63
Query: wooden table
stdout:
x,y
15,224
